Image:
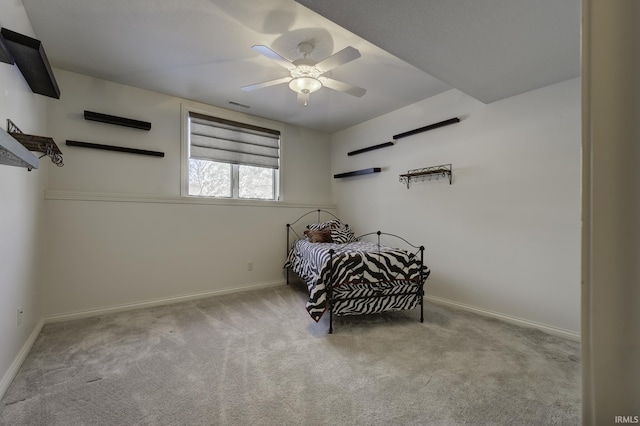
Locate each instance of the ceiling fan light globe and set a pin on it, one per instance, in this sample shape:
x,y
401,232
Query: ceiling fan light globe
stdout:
x,y
305,85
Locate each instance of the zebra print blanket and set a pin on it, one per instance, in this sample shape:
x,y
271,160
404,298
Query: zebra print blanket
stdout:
x,y
363,271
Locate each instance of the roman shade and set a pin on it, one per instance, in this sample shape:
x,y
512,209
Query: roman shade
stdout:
x,y
226,141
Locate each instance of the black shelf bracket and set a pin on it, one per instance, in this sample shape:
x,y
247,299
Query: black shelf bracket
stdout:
x,y
115,148
118,121
358,172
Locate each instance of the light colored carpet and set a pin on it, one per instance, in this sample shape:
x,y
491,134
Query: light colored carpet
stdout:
x,y
257,358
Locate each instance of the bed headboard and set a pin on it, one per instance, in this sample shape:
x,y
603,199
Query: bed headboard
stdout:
x,y
295,229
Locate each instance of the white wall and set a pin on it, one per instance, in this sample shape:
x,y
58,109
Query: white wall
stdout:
x,y
118,231
505,237
21,208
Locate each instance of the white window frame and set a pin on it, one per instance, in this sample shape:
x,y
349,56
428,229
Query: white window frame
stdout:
x,y
233,116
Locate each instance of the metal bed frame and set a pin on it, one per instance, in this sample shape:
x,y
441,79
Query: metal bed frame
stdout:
x,y
331,300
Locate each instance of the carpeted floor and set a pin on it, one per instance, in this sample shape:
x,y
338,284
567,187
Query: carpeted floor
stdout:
x,y
257,358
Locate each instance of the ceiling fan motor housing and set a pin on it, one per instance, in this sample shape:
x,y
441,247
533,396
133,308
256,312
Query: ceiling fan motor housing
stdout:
x,y
305,48
305,74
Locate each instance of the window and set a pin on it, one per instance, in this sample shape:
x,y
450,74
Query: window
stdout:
x,y
229,159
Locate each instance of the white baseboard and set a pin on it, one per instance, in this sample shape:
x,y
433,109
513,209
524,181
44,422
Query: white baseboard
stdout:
x,y
156,302
19,359
567,334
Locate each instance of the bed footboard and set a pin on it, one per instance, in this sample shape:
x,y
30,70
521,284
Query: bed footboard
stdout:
x,y
377,296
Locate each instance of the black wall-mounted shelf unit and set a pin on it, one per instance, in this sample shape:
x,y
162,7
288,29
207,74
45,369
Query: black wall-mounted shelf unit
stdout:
x,y
404,135
118,121
115,148
37,143
5,53
46,145
425,128
28,54
371,148
358,172
13,153
42,144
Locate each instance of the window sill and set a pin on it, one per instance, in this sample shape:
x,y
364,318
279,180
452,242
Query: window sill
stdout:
x,y
140,198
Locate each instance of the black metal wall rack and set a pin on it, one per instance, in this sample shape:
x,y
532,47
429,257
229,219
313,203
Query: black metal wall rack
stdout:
x,y
46,145
433,172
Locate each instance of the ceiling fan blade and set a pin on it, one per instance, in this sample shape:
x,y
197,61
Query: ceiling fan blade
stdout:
x,y
265,84
276,57
341,86
347,54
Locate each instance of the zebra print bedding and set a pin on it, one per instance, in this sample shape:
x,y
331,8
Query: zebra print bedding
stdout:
x,y
366,277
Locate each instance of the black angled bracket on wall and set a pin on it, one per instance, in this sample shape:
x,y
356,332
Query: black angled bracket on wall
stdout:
x,y
118,121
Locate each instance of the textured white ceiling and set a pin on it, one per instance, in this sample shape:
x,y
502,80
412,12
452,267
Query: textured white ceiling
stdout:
x,y
489,49
201,49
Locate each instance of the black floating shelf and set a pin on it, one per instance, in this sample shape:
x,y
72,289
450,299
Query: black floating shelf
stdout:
x,y
118,121
30,58
425,128
404,135
370,148
358,172
115,148
5,53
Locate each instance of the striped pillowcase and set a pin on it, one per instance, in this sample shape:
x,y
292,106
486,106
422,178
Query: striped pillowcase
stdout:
x,y
332,224
342,235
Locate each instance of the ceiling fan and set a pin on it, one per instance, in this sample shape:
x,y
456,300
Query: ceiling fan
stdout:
x,y
306,75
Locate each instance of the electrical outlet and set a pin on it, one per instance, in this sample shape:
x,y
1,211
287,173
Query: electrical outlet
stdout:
x,y
19,316
250,266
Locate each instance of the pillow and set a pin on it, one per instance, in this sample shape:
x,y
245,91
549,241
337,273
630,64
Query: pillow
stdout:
x,y
342,235
335,223
321,236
